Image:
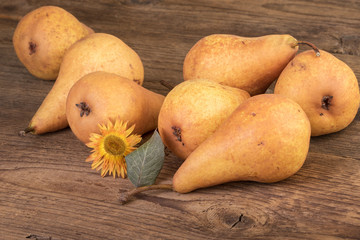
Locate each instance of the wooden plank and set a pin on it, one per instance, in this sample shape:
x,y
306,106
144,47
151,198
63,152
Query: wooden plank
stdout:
x,y
47,188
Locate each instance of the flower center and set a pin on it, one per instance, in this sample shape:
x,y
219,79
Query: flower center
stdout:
x,y
114,145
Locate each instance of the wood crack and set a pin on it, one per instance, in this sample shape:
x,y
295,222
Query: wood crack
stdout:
x,y
238,221
36,237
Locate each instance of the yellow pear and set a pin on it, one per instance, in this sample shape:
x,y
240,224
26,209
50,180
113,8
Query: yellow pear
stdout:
x,y
251,64
43,35
325,87
101,96
266,139
193,110
96,52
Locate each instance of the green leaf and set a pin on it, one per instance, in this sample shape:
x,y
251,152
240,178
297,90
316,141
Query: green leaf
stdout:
x,y
144,164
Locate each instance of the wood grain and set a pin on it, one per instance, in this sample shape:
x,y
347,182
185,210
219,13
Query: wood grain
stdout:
x,y
47,190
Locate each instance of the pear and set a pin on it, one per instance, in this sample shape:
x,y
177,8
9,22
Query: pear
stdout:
x,y
193,110
96,52
266,139
251,64
43,35
325,87
100,96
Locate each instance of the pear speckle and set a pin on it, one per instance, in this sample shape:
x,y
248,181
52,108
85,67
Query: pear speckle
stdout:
x,y
177,134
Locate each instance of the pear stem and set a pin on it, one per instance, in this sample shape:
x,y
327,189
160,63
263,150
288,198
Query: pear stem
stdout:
x,y
167,84
124,198
316,50
26,130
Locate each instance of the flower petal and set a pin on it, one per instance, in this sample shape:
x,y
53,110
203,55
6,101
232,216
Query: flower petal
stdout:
x,y
109,162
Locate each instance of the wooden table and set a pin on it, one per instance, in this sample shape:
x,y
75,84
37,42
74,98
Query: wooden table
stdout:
x,y
48,191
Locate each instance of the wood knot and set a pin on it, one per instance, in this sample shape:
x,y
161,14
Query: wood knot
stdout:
x,y
229,218
349,44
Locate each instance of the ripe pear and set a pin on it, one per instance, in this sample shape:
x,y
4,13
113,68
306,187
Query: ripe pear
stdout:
x,y
325,87
43,35
96,52
193,110
251,64
100,96
266,139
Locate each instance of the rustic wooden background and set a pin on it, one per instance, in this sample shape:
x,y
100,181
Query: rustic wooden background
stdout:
x,y
48,191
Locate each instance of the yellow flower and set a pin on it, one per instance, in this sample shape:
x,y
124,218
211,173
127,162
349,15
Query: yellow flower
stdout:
x,y
110,148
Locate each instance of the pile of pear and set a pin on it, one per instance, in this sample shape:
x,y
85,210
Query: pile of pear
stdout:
x,y
107,75
219,120
226,128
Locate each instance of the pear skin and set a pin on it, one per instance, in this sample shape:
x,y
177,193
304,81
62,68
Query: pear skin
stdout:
x,y
100,96
251,64
42,37
325,87
96,52
193,110
266,139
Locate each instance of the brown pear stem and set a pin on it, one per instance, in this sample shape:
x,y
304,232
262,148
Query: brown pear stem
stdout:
x,y
124,198
26,130
316,50
167,84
